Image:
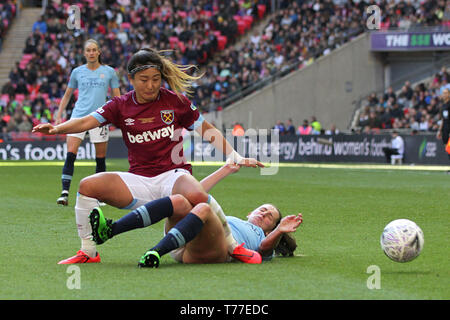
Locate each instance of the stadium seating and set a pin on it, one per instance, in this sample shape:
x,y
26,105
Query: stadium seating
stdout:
x,y
417,107
258,53
8,13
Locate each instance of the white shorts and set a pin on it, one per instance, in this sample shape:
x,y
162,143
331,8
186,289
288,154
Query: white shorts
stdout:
x,y
96,135
145,189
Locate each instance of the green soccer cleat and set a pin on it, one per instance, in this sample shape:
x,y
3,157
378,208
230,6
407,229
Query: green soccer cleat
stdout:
x,y
150,259
101,227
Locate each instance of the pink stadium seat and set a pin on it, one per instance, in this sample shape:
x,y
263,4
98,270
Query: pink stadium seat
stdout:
x,y
173,42
5,98
241,26
221,42
261,10
384,25
27,57
206,13
126,25
182,46
20,97
237,18
248,21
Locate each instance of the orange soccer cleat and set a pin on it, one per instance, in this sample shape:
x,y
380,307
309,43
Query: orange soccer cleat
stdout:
x,y
246,255
81,257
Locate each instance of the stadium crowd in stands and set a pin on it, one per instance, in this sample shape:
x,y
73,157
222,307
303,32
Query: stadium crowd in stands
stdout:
x,y
415,108
8,11
193,29
200,32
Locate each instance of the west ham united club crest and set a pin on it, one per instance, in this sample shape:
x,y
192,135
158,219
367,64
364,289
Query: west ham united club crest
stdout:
x,y
167,116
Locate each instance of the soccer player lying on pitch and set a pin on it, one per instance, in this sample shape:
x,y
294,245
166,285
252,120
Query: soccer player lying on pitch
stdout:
x,y
196,234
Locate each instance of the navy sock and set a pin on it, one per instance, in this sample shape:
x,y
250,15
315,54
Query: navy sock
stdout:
x,y
68,170
100,165
144,216
183,232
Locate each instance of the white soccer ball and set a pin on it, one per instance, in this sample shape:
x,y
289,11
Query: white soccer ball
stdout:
x,y
402,240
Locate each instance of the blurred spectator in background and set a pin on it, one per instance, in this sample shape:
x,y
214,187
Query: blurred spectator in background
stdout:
x,y
317,127
238,130
279,126
443,131
397,149
305,128
332,131
290,128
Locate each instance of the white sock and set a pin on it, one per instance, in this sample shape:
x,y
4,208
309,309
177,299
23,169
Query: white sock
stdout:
x,y
88,246
217,209
83,207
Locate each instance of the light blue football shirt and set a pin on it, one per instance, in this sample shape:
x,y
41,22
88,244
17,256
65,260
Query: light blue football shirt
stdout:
x,y
246,232
92,88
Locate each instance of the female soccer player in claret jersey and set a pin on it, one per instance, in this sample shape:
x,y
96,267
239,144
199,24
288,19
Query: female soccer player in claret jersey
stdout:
x,y
151,119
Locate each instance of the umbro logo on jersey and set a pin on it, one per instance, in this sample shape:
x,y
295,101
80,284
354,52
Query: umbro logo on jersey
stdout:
x,y
129,122
148,136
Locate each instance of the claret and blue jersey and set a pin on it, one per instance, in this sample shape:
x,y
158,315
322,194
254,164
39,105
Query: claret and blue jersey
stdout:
x,y
152,131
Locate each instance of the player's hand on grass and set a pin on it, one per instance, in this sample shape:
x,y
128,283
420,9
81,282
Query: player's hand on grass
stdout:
x,y
290,223
45,128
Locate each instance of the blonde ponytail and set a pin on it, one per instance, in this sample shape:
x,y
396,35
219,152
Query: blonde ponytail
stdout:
x,y
174,74
177,76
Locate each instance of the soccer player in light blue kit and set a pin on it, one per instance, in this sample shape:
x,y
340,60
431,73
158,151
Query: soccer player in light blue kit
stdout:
x,y
92,80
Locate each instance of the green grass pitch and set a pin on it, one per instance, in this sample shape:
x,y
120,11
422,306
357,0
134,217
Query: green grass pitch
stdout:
x,y
344,210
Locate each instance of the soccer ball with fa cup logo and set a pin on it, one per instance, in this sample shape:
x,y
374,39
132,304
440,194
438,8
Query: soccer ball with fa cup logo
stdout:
x,y
402,240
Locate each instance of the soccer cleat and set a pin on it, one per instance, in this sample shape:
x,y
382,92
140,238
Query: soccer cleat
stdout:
x,y
101,227
81,257
150,259
64,198
246,255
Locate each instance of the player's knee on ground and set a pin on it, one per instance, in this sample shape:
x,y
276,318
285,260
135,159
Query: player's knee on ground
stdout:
x,y
180,204
203,211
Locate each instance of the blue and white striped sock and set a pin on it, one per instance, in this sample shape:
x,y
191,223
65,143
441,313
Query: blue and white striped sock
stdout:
x,y
144,216
183,232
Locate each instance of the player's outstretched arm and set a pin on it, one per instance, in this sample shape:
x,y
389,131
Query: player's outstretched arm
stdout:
x,y
287,224
215,137
72,126
214,178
